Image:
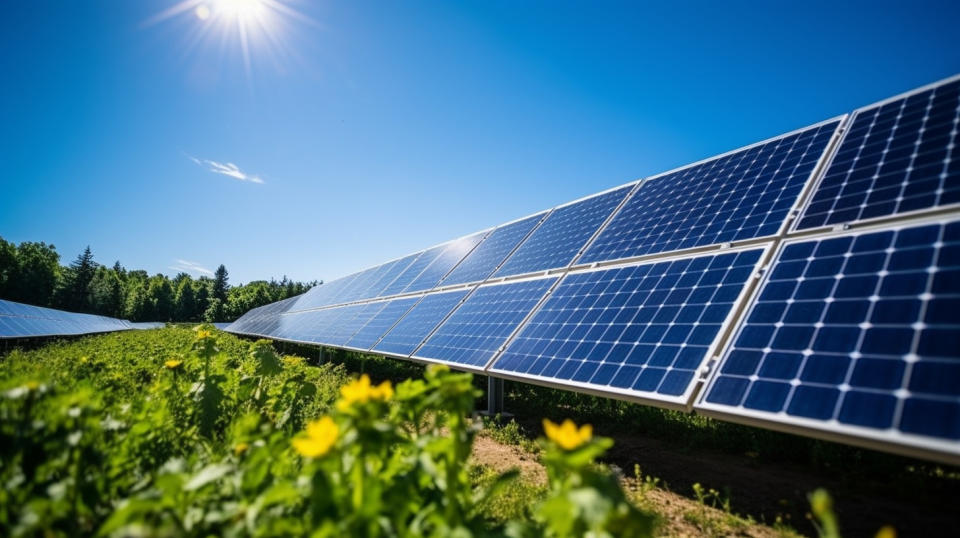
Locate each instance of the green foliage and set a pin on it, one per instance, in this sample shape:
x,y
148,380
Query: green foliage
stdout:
x,y
31,273
196,433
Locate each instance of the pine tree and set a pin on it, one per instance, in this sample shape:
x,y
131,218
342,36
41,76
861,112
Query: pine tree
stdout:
x,y
77,287
220,285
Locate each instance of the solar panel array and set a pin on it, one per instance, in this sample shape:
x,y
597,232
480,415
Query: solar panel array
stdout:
x,y
806,283
18,320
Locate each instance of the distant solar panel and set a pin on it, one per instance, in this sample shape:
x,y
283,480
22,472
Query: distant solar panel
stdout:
x,y
744,194
854,334
477,329
563,234
348,326
416,325
18,320
395,269
492,251
261,321
447,260
380,323
896,157
413,271
325,294
638,330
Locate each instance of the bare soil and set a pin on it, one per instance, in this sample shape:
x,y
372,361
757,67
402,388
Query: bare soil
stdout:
x,y
681,516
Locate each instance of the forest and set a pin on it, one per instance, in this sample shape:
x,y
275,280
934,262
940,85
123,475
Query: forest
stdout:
x,y
31,273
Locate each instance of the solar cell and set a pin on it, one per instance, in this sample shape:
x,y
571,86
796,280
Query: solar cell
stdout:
x,y
742,195
853,333
477,329
639,330
442,264
896,157
563,234
491,252
416,325
380,323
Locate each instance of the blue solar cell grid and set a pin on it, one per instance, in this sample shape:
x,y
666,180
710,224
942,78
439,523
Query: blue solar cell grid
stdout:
x,y
396,268
348,325
563,234
742,195
325,294
380,322
447,260
640,330
897,157
19,320
477,329
416,325
854,330
412,271
491,252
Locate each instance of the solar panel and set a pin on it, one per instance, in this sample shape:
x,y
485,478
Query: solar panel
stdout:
x,y
854,334
639,330
325,294
395,268
897,157
416,325
348,326
442,264
477,329
261,320
563,234
413,271
380,323
492,251
742,195
18,320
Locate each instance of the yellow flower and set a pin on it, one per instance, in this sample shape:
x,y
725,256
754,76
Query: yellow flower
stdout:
x,y
172,364
567,435
361,391
32,385
203,335
84,359
886,532
320,437
240,448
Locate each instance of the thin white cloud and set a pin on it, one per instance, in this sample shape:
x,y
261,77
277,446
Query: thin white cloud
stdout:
x,y
185,266
226,169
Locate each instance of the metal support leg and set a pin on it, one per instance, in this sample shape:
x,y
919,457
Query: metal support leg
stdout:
x,y
494,396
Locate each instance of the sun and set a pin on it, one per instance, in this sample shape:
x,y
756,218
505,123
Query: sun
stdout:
x,y
247,26
238,11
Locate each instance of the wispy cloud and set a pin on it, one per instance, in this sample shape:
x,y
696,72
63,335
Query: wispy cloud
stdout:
x,y
190,267
226,169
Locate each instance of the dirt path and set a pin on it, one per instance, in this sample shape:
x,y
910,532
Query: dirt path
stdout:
x,y
682,517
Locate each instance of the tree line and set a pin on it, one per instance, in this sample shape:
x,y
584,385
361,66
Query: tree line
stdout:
x,y
31,273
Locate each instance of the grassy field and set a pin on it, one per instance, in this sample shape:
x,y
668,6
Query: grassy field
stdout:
x,y
181,431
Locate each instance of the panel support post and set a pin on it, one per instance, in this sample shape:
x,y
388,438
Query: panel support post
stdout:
x,y
494,396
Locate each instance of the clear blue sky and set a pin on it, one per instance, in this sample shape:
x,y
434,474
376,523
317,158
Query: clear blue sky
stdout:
x,y
380,128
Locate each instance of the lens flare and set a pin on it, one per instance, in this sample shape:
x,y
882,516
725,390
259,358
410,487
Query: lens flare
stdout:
x,y
248,26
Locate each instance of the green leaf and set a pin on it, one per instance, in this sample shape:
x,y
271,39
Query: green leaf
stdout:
x,y
210,473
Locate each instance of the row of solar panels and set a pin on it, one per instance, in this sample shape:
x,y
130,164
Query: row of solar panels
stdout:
x,y
19,320
807,283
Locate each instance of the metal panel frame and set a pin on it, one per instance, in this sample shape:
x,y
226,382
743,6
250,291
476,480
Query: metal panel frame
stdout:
x,y
890,440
